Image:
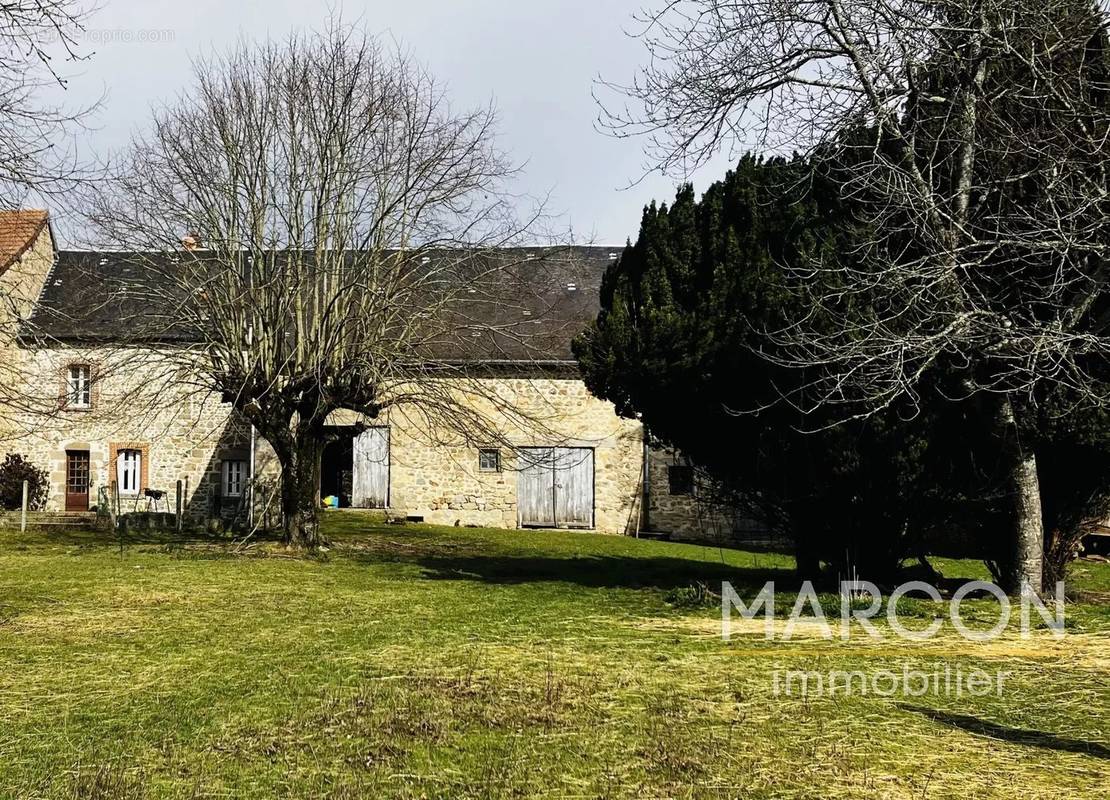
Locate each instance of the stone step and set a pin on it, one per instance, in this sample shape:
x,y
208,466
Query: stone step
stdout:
x,y
74,525
52,520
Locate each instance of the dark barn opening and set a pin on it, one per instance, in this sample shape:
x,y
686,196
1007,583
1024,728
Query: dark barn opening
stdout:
x,y
337,464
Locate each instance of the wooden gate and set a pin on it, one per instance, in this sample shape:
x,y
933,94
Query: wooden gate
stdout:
x,y
555,487
370,469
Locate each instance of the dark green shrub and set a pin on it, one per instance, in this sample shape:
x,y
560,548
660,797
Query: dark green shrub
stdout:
x,y
13,471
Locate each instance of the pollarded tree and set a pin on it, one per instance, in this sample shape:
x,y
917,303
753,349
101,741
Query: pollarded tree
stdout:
x,y
984,183
341,221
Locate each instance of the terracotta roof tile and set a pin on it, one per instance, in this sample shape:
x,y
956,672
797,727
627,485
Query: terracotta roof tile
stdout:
x,y
18,231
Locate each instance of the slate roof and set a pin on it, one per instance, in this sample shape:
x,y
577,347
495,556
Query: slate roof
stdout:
x,y
544,297
18,231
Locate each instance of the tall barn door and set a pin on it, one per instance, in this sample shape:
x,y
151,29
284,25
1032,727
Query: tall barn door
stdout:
x,y
370,469
555,487
574,487
535,488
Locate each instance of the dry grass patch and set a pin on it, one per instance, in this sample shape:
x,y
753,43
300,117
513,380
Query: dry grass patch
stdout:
x,y
422,662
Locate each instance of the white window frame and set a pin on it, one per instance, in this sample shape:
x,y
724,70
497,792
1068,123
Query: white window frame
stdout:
x,y
236,467
497,459
79,386
129,471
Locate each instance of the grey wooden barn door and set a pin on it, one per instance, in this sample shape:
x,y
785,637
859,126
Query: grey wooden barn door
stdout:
x,y
555,487
370,469
574,487
535,487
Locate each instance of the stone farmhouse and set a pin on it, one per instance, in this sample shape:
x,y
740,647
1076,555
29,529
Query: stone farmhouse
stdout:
x,y
105,414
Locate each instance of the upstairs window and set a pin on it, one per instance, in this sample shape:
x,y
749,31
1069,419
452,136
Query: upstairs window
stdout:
x,y
681,479
234,478
79,386
129,470
489,460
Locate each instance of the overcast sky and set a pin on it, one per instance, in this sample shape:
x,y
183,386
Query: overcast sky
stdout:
x,y
536,59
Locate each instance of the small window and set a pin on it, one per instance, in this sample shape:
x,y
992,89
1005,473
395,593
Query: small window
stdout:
x,y
235,475
129,470
681,479
79,386
489,460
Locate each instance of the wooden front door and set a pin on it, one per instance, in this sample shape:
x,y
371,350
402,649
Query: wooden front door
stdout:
x,y
555,487
370,469
77,480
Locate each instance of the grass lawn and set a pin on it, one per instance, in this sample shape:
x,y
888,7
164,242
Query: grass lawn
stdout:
x,y
450,662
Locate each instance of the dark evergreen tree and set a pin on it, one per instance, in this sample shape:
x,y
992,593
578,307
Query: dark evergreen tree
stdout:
x,y
680,341
985,182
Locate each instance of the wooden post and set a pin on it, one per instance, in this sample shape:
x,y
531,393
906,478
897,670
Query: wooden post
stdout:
x,y
113,504
23,510
115,515
180,503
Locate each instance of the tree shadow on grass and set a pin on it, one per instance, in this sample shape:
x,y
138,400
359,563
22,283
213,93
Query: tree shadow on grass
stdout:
x,y
603,572
982,727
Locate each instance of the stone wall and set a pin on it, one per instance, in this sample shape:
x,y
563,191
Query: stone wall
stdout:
x,y
683,515
698,515
434,474
20,285
22,282
138,401
182,431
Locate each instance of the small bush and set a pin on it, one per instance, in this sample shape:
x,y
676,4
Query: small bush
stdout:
x,y
13,471
696,595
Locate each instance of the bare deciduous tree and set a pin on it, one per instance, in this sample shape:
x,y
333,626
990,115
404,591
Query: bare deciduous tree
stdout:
x,y
35,35
345,231
33,155
972,135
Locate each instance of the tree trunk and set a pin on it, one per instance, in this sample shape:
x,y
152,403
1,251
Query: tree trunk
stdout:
x,y
807,563
807,556
300,491
1027,556
1029,528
